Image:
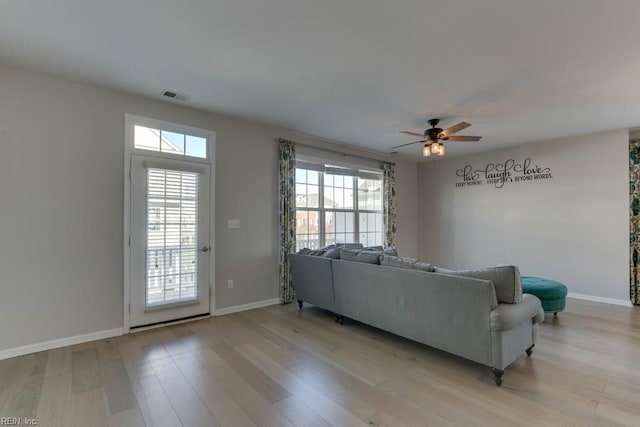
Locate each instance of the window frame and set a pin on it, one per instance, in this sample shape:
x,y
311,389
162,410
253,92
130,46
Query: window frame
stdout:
x,y
131,121
322,210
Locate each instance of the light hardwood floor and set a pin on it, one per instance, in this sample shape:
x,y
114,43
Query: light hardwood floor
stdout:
x,y
278,366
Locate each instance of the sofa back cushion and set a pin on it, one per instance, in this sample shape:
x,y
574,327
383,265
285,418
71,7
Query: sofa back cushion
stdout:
x,y
334,250
360,255
398,262
506,280
403,262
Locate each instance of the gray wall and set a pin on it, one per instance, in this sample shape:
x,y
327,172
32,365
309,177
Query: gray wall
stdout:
x,y
573,228
61,192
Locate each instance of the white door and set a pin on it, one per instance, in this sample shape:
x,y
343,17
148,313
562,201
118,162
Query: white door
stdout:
x,y
170,248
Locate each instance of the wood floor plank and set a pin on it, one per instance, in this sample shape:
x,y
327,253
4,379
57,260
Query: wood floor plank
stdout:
x,y
334,413
226,410
331,352
300,414
54,407
261,411
88,409
108,350
85,370
117,387
129,418
8,369
186,402
263,384
23,395
153,403
59,361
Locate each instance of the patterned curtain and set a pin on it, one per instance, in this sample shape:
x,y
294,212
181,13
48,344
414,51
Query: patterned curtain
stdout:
x,y
389,203
287,186
634,219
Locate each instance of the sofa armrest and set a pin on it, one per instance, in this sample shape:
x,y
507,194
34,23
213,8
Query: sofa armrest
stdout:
x,y
507,316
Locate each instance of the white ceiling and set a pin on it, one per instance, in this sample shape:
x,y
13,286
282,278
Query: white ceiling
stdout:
x,y
355,71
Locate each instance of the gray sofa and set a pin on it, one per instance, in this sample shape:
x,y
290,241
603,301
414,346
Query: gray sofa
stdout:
x,y
457,314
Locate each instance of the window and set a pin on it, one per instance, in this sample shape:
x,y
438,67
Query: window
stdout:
x,y
337,205
162,141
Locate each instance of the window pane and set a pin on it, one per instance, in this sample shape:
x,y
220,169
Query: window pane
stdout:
x,y
196,146
313,196
302,222
312,177
146,138
369,194
329,197
171,142
301,176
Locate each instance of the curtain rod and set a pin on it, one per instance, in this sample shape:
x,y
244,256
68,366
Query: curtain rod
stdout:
x,y
335,151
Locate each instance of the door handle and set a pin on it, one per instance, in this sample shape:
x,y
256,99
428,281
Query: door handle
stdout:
x,y
205,249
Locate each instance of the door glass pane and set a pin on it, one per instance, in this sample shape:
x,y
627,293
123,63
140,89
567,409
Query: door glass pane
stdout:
x,y
172,229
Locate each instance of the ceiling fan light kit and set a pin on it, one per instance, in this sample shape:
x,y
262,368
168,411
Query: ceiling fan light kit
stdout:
x,y
433,138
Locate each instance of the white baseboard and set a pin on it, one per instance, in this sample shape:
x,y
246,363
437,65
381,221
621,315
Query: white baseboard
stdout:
x,y
62,342
603,300
243,307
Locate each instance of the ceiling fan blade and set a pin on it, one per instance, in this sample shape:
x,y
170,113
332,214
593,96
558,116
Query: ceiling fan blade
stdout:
x,y
410,143
412,133
464,138
454,129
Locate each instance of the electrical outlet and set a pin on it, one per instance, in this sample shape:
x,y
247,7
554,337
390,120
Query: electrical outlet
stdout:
x,y
233,223
229,284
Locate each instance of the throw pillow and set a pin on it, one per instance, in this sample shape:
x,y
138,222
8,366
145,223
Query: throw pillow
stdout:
x,y
424,266
398,262
360,255
334,251
506,280
374,248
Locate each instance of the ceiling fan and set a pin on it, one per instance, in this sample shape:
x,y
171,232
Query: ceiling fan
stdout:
x,y
432,138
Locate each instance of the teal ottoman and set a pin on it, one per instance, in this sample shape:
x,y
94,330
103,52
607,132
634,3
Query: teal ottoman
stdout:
x,y
552,294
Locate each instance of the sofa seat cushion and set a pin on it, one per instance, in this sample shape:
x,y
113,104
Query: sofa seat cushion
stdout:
x,y
506,280
507,316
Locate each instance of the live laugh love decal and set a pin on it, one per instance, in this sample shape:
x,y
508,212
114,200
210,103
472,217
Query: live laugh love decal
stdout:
x,y
498,174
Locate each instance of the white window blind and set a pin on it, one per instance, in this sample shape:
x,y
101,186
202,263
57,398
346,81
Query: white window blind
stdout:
x,y
172,246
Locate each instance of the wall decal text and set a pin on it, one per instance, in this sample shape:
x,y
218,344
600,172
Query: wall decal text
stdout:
x,y
500,173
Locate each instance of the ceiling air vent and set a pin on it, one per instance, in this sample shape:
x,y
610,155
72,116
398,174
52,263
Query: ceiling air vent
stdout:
x,y
173,95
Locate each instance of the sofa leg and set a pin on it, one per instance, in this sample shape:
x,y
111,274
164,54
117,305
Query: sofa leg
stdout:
x,y
530,350
300,302
555,314
339,319
497,375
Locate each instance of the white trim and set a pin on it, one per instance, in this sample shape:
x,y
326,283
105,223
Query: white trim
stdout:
x,y
603,300
61,342
129,120
171,323
243,307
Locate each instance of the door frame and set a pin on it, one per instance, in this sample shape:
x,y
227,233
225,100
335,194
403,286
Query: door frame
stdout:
x,y
129,121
